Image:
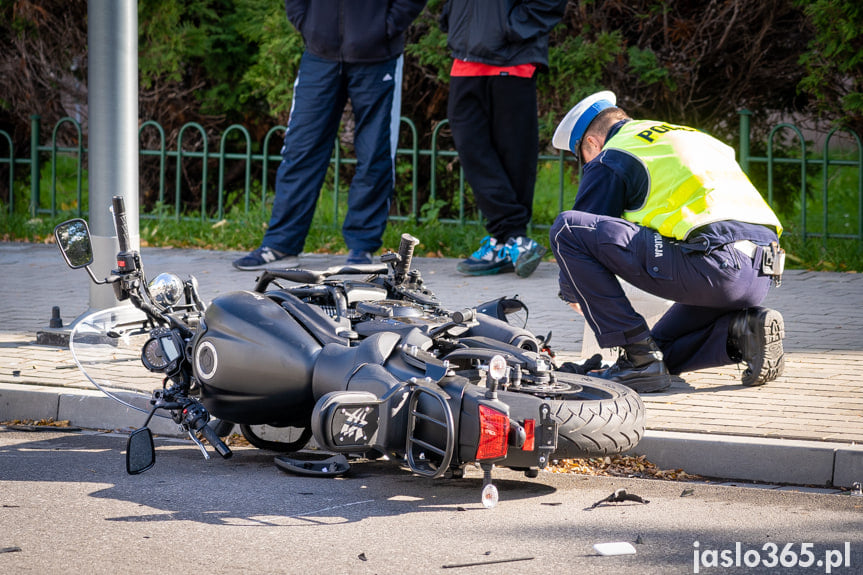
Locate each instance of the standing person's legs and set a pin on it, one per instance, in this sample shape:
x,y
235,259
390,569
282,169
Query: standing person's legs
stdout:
x,y
469,119
494,125
319,98
471,112
372,88
515,137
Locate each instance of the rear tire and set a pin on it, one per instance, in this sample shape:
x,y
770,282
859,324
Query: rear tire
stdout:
x,y
604,418
595,417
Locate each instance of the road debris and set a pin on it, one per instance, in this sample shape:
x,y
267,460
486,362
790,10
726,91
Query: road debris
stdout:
x,y
615,548
619,496
489,562
49,424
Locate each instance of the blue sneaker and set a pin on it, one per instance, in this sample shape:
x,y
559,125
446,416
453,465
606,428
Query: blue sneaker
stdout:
x,y
526,255
263,257
491,258
357,257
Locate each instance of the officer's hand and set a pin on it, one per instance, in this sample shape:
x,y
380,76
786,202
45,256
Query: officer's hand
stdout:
x,y
577,307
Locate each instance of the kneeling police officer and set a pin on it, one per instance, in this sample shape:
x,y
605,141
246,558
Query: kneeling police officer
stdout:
x,y
669,210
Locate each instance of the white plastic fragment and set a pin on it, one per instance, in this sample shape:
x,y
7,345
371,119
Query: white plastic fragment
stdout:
x,y
615,548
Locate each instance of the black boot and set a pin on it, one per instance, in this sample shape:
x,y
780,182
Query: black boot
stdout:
x,y
640,367
755,338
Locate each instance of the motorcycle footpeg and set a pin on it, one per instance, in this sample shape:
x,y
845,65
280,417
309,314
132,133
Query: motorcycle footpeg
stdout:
x,y
347,421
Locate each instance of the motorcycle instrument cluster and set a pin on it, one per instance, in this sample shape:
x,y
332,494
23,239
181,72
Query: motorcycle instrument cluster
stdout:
x,y
163,351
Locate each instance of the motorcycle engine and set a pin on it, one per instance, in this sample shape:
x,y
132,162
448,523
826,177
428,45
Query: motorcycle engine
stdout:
x,y
391,308
394,315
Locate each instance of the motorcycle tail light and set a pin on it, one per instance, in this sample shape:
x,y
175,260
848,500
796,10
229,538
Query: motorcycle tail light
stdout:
x,y
530,435
493,430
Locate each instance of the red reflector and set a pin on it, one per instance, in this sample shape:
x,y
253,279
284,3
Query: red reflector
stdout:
x,y
530,435
493,431
121,264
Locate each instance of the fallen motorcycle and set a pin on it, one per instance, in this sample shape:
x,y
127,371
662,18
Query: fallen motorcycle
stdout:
x,y
365,359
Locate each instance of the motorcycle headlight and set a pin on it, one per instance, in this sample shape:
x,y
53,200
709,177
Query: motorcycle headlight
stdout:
x,y
166,289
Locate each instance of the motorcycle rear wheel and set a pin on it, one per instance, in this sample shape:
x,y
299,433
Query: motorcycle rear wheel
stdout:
x,y
595,417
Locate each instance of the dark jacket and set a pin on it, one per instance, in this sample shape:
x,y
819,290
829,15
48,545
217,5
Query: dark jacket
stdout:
x,y
501,32
357,31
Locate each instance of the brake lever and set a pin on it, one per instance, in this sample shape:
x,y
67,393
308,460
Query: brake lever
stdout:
x,y
198,443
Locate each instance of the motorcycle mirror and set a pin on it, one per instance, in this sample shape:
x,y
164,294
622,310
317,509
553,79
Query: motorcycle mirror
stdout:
x,y
73,238
514,311
140,452
509,309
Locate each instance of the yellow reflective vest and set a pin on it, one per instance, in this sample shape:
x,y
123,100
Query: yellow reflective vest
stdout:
x,y
693,180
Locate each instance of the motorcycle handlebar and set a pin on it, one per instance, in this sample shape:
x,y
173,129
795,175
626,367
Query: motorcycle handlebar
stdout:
x,y
214,440
120,222
464,315
406,253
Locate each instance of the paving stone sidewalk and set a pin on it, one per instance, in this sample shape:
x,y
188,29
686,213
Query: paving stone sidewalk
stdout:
x,y
819,397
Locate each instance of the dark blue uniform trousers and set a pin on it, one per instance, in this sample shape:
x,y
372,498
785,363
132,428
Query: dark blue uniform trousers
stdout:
x,y
706,286
321,91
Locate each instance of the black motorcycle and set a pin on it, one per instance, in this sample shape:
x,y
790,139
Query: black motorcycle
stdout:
x,y
365,359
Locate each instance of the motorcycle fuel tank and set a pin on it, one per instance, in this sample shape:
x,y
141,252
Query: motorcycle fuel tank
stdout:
x,y
254,361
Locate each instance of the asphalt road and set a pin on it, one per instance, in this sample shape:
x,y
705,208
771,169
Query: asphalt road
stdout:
x,y
67,506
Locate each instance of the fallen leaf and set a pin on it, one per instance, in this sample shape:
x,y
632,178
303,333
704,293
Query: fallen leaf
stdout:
x,y
620,466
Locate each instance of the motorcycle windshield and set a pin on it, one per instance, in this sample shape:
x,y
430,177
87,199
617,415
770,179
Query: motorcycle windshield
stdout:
x,y
106,346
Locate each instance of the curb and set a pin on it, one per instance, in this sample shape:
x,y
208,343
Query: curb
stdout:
x,y
728,457
81,407
759,459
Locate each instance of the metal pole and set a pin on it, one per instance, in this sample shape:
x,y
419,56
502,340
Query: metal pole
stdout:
x,y
112,100
112,39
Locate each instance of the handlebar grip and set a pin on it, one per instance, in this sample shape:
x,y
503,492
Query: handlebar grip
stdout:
x,y
210,435
120,222
464,315
406,254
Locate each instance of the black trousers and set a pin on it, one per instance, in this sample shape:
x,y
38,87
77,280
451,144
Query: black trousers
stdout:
x,y
496,132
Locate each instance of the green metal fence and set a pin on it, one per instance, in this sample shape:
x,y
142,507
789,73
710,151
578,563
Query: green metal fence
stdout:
x,y
212,201
804,161
43,195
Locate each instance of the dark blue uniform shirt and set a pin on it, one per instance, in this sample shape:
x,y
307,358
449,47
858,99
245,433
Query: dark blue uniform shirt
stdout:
x,y
615,182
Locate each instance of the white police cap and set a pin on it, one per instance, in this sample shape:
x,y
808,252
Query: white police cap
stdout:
x,y
571,130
